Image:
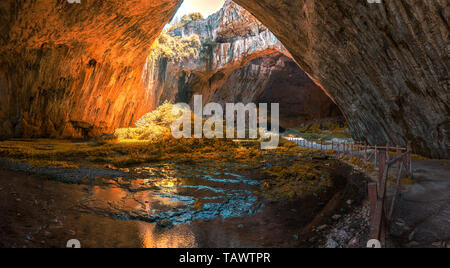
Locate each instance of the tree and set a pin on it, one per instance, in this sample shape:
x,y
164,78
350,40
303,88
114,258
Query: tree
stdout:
x,y
176,48
191,17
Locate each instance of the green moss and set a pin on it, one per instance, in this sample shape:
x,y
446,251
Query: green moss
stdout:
x,y
306,174
320,130
360,163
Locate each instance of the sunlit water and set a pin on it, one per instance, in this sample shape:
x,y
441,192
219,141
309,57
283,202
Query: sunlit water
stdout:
x,y
192,204
169,194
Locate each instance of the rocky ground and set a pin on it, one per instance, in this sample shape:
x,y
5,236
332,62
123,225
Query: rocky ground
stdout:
x,y
37,198
347,231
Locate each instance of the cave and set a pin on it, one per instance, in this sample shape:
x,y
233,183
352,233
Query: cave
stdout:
x,y
80,82
327,45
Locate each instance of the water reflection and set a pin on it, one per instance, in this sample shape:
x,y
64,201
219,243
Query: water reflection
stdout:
x,y
154,237
170,196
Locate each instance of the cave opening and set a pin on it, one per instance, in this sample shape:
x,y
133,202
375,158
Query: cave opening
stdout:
x,y
86,109
220,51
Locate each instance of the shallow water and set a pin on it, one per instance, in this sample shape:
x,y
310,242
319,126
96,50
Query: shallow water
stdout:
x,y
205,204
176,193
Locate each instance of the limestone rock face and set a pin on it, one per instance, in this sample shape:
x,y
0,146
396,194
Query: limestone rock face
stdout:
x,y
75,70
385,65
240,61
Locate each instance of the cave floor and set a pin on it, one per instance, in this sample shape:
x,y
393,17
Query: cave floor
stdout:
x,y
198,203
423,211
158,206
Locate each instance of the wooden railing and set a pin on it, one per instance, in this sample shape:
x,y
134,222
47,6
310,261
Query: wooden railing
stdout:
x,y
385,159
381,213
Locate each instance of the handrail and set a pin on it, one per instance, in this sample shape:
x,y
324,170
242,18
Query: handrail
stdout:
x,y
380,217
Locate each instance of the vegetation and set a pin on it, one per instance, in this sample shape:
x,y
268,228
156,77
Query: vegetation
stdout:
x,y
150,128
208,42
289,171
361,164
207,48
176,48
308,174
180,22
191,17
321,130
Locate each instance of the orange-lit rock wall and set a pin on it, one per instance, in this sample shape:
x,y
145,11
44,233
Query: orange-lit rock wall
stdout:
x,y
75,70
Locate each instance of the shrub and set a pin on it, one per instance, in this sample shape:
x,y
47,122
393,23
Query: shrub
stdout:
x,y
191,17
151,127
176,48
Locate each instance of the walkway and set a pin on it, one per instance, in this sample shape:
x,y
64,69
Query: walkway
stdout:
x,y
422,214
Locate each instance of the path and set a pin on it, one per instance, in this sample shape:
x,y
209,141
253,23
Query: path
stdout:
x,y
423,212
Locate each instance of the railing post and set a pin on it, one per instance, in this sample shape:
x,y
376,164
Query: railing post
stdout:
x,y
387,152
373,199
397,152
376,155
365,152
381,166
409,149
373,196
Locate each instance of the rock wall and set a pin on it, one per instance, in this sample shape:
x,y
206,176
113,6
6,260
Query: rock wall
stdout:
x,y
385,65
75,70
240,61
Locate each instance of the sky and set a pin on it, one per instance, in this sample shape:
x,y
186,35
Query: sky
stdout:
x,y
206,7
